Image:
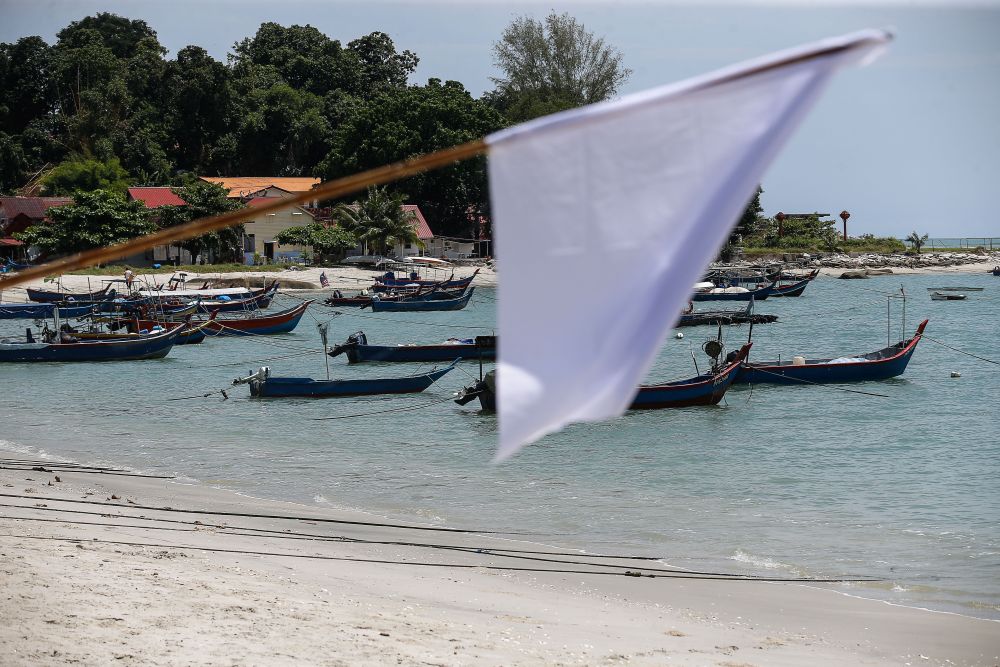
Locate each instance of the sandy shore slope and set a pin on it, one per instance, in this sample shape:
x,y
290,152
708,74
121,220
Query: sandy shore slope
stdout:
x,y
119,582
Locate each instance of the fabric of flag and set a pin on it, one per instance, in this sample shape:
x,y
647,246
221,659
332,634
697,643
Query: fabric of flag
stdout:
x,y
323,280
605,216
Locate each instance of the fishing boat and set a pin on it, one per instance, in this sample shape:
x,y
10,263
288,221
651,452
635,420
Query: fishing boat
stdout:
x,y
691,317
365,299
41,311
948,296
879,365
213,293
253,325
955,289
263,385
228,305
794,289
705,389
54,296
65,347
358,350
411,305
709,292
389,281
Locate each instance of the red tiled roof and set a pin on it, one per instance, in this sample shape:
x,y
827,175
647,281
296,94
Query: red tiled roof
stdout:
x,y
31,207
10,242
155,197
423,229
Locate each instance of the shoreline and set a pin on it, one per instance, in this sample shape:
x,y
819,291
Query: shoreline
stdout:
x,y
356,278
178,591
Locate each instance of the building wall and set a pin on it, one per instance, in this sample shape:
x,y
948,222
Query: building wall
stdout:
x,y
264,228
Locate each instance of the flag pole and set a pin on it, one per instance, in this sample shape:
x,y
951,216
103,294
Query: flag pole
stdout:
x,y
330,190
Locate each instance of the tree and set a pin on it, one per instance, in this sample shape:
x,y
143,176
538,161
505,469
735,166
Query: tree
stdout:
x,y
95,219
198,108
917,240
379,221
25,78
327,241
86,174
403,123
202,200
553,66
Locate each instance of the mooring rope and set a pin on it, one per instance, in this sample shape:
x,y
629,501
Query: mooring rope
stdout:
x,y
818,384
955,349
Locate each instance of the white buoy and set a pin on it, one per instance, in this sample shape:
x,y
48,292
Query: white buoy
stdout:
x,y
956,374
679,335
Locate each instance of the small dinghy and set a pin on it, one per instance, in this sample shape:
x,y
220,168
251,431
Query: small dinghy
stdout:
x,y
947,296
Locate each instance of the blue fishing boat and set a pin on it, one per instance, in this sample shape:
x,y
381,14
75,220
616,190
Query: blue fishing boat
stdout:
x,y
705,389
733,294
389,281
794,289
409,306
66,347
358,350
879,365
263,385
40,311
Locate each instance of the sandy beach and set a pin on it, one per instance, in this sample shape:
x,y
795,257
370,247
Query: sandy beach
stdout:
x,y
97,570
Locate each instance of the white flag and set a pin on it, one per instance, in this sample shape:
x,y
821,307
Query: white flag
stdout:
x,y
605,216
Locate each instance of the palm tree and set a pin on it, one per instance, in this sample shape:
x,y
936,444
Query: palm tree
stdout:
x,y
917,240
379,221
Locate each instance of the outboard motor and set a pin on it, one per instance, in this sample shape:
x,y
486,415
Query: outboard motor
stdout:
x,y
352,341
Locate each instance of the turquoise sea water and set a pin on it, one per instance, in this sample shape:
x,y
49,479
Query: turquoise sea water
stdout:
x,y
785,481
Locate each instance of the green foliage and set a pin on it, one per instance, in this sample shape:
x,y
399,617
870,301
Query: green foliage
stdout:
x,y
95,219
917,241
86,175
399,124
327,241
379,221
203,200
553,65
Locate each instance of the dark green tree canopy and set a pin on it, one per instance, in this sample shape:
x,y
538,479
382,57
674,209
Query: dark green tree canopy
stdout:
x,y
82,174
94,219
399,124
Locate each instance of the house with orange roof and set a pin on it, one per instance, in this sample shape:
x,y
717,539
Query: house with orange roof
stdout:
x,y
249,187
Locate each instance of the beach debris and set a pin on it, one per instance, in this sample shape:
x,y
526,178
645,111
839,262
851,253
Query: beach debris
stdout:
x,y
114,497
57,478
384,634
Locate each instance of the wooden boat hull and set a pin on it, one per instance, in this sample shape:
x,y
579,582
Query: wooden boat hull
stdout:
x,y
756,295
49,296
40,311
707,389
359,351
879,365
146,347
410,306
795,289
384,284
273,387
279,323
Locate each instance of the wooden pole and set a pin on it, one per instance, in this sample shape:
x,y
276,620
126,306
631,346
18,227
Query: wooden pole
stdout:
x,y
330,190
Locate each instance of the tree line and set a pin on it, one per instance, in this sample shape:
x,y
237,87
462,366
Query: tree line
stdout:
x,y
104,107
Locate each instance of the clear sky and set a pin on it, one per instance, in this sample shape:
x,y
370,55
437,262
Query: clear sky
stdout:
x,y
911,142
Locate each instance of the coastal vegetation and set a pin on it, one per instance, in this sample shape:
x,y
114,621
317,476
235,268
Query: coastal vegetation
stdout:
x,y
104,107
